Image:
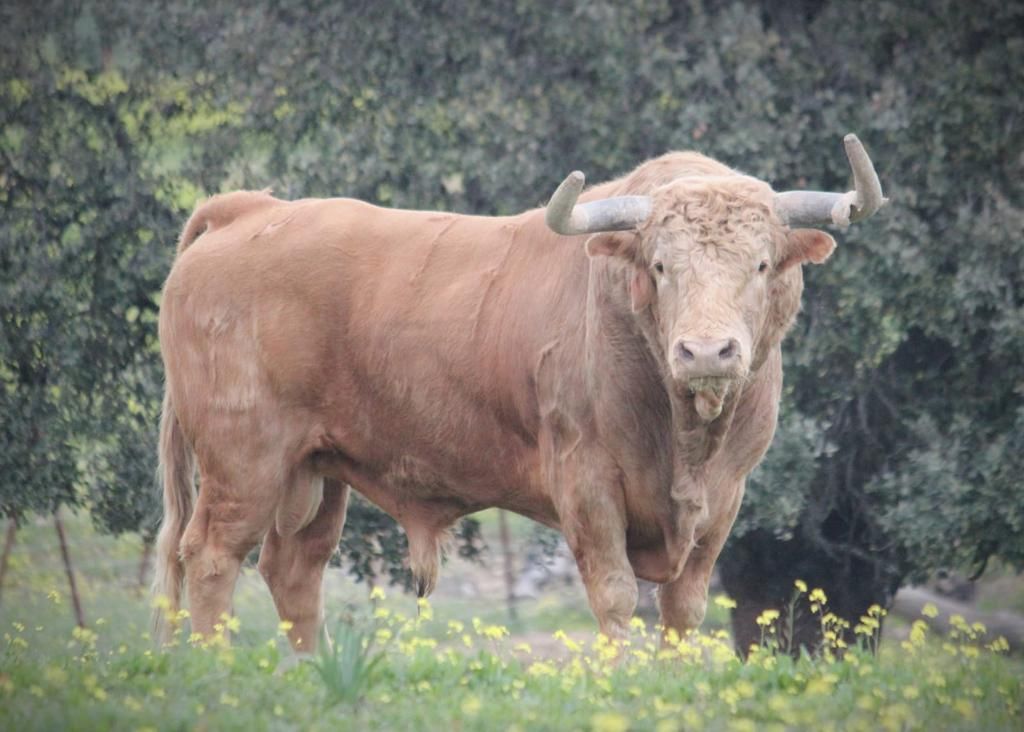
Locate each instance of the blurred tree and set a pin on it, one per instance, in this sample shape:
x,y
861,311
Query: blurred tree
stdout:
x,y
900,446
900,442
76,273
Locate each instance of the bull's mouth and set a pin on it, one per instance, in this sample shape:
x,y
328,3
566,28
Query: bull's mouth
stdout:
x,y
709,394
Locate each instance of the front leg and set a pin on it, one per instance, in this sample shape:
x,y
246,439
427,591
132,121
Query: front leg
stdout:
x,y
683,601
593,518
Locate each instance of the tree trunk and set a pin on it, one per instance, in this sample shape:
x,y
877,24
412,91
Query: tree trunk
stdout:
x,y
76,603
510,573
12,528
758,572
144,561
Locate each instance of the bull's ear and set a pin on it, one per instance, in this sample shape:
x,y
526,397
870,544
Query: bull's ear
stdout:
x,y
806,245
641,289
612,244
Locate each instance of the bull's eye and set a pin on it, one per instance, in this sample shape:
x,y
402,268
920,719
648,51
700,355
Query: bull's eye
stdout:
x,y
659,268
763,267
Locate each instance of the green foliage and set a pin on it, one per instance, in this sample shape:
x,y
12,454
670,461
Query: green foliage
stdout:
x,y
76,298
900,440
910,350
778,489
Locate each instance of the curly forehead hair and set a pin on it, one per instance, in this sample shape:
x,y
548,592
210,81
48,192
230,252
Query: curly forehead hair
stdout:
x,y
725,211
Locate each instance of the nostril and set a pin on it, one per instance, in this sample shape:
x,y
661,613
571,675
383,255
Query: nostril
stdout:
x,y
707,355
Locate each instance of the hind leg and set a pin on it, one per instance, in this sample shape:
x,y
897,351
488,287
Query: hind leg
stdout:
x,y
293,566
222,531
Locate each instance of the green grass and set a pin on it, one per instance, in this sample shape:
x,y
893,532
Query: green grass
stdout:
x,y
395,666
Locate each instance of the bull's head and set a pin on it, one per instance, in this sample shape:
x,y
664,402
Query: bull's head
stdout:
x,y
715,265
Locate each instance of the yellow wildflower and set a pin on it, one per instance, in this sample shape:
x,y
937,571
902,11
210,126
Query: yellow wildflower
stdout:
x,y
729,695
965,708
495,632
745,689
425,611
725,602
162,603
999,645
568,642
609,722
541,668
231,623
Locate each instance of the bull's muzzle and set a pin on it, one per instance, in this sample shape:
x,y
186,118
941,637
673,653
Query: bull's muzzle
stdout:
x,y
707,358
706,370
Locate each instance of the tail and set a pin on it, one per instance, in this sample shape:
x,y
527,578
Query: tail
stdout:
x,y
177,468
219,211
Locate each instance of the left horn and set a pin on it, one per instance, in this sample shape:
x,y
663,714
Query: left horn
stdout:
x,y
620,213
814,208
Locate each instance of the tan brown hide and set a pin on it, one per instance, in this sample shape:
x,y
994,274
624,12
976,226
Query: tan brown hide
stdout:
x,y
441,364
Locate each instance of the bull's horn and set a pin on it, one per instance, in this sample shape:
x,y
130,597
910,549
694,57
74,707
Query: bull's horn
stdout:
x,y
814,208
563,216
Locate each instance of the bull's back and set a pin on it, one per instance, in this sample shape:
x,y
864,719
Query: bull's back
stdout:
x,y
371,324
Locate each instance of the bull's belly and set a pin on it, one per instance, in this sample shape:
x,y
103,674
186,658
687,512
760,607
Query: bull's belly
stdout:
x,y
437,485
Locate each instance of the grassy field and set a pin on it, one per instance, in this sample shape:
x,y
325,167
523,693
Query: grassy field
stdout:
x,y
453,664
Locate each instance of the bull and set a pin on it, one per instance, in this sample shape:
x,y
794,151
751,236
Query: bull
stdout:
x,y
609,366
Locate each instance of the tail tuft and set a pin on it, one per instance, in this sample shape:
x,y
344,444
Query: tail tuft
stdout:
x,y
177,470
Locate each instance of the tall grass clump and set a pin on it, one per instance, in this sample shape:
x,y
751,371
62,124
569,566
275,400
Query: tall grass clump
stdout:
x,y
348,666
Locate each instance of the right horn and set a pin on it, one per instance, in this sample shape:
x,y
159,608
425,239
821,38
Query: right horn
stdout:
x,y
814,208
620,213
